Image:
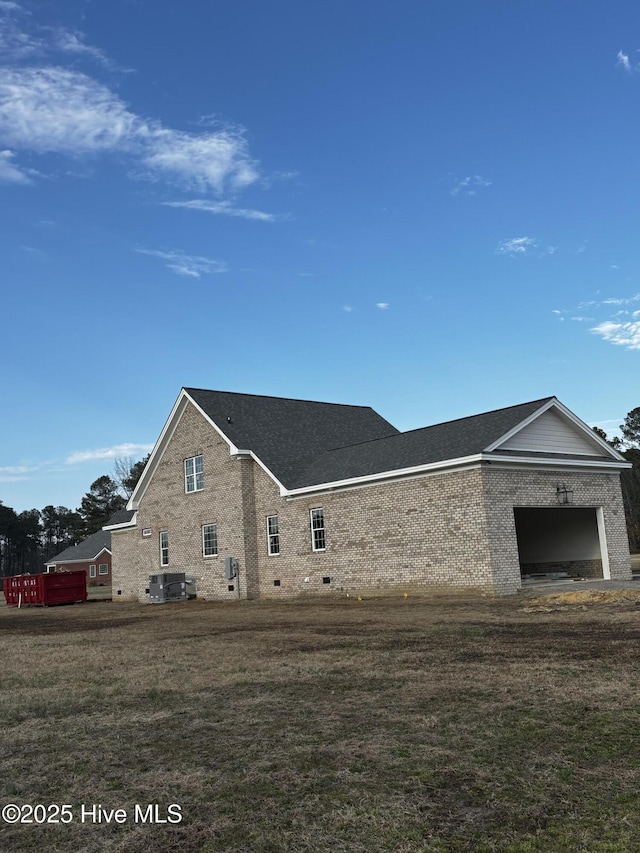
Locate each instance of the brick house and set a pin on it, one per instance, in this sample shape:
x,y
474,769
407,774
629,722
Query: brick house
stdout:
x,y
315,497
93,555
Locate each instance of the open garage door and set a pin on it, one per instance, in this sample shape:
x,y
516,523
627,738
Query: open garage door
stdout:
x,y
562,541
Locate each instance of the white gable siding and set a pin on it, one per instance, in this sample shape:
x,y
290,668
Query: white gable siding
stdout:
x,y
550,433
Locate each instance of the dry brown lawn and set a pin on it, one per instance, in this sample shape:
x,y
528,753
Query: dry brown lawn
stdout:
x,y
382,726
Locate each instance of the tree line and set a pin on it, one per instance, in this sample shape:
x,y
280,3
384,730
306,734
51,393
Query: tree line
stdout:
x,y
29,539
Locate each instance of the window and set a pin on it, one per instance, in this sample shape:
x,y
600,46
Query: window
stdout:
x,y
193,474
146,531
103,569
273,535
164,548
210,540
92,571
318,538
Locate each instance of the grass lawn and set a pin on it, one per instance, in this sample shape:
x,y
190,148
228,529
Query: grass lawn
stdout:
x,y
392,725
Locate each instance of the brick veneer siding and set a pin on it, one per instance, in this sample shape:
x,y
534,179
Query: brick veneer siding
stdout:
x,y
403,535
165,506
439,531
506,488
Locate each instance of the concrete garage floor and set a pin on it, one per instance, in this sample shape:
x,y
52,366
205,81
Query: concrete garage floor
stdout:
x,y
537,587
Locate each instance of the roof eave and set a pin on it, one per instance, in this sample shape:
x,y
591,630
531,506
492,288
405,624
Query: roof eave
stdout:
x,y
123,524
556,461
382,476
453,464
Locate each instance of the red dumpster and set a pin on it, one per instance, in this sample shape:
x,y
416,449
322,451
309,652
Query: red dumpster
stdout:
x,y
41,590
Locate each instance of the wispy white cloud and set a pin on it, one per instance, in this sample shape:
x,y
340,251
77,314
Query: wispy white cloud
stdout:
x,y
193,266
470,185
46,108
224,208
622,334
14,473
118,451
347,308
623,59
54,110
9,172
620,325
382,305
72,42
516,246
210,161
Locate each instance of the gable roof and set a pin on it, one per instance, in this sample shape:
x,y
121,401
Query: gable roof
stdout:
x,y
286,434
457,439
306,446
88,549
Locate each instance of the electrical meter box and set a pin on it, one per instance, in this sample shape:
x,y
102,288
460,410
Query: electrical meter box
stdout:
x,y
230,568
170,586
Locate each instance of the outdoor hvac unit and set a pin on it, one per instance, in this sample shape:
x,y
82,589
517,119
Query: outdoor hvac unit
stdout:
x,y
174,586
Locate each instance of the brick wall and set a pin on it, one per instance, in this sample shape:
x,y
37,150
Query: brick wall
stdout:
x,y
165,506
427,531
505,488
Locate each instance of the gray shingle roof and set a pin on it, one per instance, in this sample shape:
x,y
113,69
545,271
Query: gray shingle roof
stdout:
x,y
122,516
305,443
450,440
85,550
286,435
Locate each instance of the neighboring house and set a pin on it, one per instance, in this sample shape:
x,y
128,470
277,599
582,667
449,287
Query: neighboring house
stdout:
x,y
93,555
318,497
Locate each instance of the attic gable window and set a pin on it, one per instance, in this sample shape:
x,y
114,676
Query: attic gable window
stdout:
x,y
193,474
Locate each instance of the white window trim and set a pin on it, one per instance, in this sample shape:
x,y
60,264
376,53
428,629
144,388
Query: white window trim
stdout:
x,y
271,536
164,548
315,529
204,554
92,570
194,475
104,566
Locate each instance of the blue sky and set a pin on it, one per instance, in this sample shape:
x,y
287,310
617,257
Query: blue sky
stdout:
x,y
426,206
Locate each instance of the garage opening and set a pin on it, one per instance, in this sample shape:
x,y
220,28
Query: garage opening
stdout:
x,y
562,542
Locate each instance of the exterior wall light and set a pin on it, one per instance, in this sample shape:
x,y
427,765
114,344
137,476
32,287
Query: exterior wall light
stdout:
x,y
563,494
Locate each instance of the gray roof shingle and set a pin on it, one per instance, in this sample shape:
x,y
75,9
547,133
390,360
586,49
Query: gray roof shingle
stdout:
x,y
305,443
85,550
285,434
450,440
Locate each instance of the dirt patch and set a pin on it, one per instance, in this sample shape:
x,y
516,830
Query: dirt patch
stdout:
x,y
586,596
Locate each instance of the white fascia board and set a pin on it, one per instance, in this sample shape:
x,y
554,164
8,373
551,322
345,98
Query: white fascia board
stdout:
x,y
268,471
554,403
399,474
592,435
158,450
549,462
160,446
